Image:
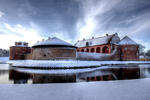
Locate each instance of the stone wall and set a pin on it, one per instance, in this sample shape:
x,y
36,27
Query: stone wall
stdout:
x,y
53,53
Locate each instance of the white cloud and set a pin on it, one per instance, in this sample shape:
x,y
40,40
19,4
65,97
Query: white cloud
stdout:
x,y
91,10
1,14
23,34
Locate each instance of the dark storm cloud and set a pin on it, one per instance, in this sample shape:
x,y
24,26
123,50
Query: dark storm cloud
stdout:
x,y
50,15
77,19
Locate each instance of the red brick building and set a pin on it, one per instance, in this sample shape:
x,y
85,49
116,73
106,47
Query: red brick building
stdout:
x,y
105,44
19,51
129,49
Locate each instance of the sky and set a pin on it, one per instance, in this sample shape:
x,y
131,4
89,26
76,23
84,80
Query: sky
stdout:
x,y
73,20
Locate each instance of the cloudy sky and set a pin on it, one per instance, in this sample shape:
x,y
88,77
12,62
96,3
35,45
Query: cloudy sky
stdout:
x,y
72,20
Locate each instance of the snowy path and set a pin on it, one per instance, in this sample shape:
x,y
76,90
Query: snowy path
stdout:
x,y
106,90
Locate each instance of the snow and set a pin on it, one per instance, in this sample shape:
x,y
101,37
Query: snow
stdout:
x,y
106,90
52,41
59,71
95,41
98,41
127,41
70,63
4,59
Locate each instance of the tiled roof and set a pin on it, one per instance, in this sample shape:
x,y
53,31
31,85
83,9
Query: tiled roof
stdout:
x,y
127,41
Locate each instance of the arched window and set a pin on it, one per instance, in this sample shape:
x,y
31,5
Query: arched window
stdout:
x,y
92,50
105,50
87,50
98,50
82,50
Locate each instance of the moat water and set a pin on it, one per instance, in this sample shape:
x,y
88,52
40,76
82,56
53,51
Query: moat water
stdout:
x,y
14,75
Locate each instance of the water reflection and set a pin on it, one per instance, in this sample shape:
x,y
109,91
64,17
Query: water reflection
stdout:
x,y
106,73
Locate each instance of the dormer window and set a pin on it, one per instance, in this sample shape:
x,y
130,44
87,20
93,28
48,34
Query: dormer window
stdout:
x,y
87,44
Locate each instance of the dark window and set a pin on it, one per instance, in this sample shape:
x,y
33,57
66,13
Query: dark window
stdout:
x,y
44,55
92,50
87,44
105,50
98,50
82,50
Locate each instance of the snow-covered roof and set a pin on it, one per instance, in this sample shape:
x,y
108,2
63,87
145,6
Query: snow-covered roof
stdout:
x,y
98,41
52,42
127,41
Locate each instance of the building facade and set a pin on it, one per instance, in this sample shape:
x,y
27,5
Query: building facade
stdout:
x,y
105,44
53,48
127,49
19,51
108,47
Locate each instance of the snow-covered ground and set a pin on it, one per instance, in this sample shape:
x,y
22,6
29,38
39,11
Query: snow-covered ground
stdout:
x,y
106,90
4,59
70,63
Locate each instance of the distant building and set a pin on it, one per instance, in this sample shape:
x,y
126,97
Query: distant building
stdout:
x,y
19,51
53,48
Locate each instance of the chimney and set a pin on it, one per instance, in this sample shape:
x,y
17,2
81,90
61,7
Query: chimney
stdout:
x,y
84,39
42,39
106,34
93,37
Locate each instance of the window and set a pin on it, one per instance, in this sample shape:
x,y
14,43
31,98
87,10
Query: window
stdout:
x,y
87,44
98,50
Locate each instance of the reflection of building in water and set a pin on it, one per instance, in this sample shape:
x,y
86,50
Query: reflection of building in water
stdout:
x,y
97,75
47,78
18,77
126,73
110,74
3,71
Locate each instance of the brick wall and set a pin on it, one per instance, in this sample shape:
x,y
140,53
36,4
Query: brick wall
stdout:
x,y
18,53
53,53
129,52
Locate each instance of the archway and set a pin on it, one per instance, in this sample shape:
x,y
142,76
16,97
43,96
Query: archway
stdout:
x,y
92,50
105,50
82,50
98,50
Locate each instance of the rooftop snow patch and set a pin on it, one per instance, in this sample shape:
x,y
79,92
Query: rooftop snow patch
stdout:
x,y
52,41
127,41
99,41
